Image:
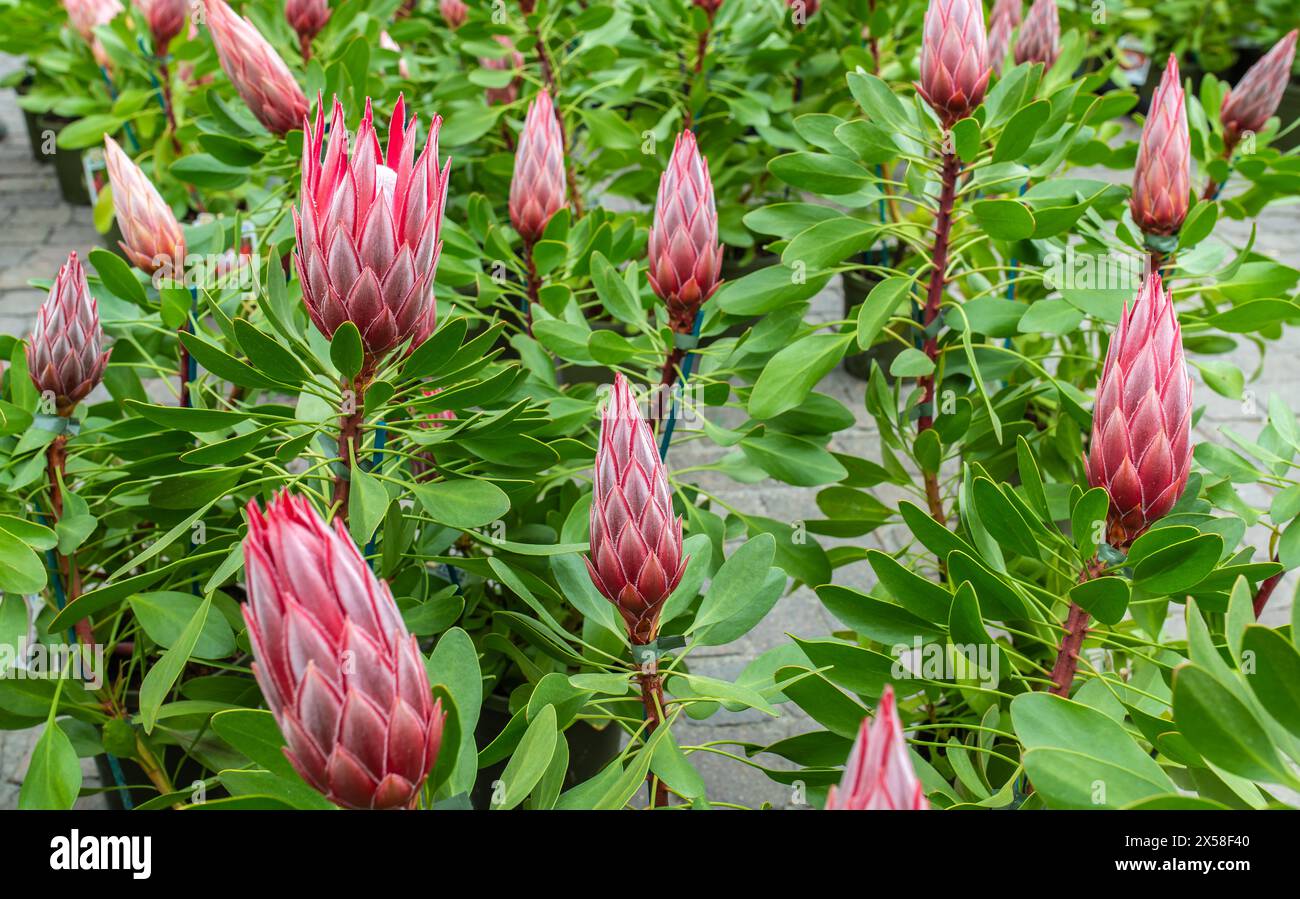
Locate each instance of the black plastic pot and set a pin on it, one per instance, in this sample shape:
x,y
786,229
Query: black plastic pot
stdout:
x,y
35,134
67,164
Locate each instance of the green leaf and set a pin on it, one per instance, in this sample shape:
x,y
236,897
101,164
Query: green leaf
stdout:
x,y
118,277
736,583
819,173
879,306
454,665
830,242
1019,133
792,373
530,759
922,596
255,733
192,420
1088,520
1002,520
911,363
1274,675
346,350
768,289
465,503
162,676
1176,569
1223,729
53,777
793,460
1004,219
1104,598
165,616
367,502
268,355
21,570
614,292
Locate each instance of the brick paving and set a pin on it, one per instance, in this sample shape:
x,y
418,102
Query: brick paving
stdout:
x,y
37,230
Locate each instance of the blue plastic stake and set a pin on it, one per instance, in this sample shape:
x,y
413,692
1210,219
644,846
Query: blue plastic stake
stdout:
x,y
688,364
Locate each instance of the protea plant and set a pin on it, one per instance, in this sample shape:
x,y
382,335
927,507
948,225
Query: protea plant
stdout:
x,y
1040,36
369,229
65,353
256,70
1141,449
153,239
1249,105
879,775
1002,22
307,18
166,18
538,187
339,670
454,13
1162,176
636,545
954,59
685,258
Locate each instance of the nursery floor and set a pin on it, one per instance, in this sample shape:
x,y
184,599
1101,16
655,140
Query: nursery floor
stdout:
x,y
37,230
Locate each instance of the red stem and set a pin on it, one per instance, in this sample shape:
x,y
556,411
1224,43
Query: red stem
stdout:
x,y
1265,591
1076,628
652,699
56,456
534,287
350,438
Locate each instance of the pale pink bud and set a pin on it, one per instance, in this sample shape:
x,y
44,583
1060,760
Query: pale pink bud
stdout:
x,y
86,15
1249,105
954,59
1003,21
454,13
1040,36
256,70
1141,449
538,186
1162,176
166,18
65,353
369,229
879,774
339,670
685,258
307,17
152,238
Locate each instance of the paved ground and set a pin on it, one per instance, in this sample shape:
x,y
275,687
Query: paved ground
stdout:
x,y
37,230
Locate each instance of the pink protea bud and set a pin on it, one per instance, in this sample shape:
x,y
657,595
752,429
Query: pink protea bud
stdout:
x,y
879,775
256,70
454,13
65,353
339,670
86,15
1141,448
684,254
636,545
166,18
1003,21
307,18
1249,105
709,6
512,61
954,59
538,187
527,6
1040,36
1162,176
369,229
152,237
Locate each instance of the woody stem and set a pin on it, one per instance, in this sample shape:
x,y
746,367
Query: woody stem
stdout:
x,y
350,435
534,287
1076,628
652,698
1265,591
700,48
304,43
56,459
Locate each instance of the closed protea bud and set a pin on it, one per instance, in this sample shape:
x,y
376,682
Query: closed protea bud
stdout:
x,y
454,13
709,6
256,70
511,62
684,254
1040,36
636,544
86,15
538,186
307,18
954,59
65,353
369,229
1162,176
153,238
1141,424
879,775
166,18
339,670
1249,105
1003,21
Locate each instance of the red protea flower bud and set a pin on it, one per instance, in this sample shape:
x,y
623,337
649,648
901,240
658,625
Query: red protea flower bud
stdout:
x,y
636,544
153,238
709,6
307,18
954,59
538,187
879,775
1141,424
512,61
1040,37
65,353
1162,177
1003,21
166,18
86,15
527,6
340,672
256,70
369,229
454,13
1249,105
684,254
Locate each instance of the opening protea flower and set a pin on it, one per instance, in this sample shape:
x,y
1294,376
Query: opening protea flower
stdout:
x,y
369,229
1249,105
879,775
256,70
65,353
1040,37
307,18
538,186
954,59
340,671
86,15
512,61
1162,176
152,237
684,254
454,12
1141,449
1003,21
166,18
636,544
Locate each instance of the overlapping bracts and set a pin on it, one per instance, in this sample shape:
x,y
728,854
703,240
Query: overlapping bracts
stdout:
x,y
538,186
685,258
65,352
152,238
954,59
1248,106
879,774
256,70
1162,176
